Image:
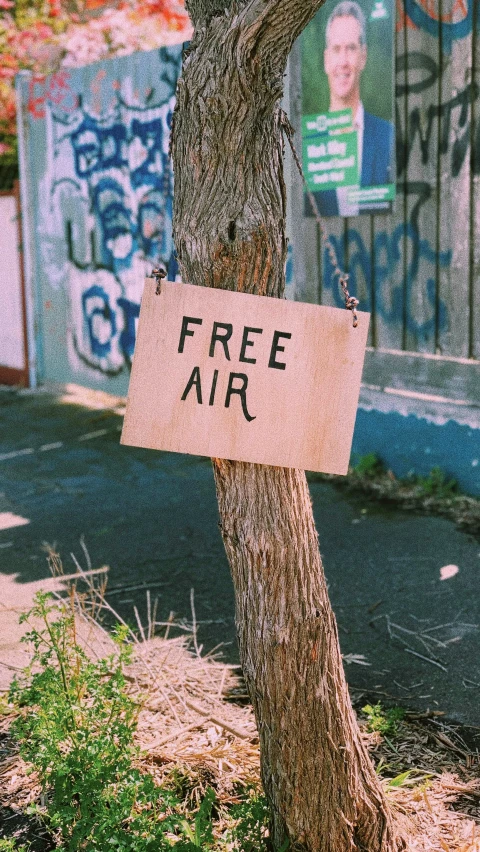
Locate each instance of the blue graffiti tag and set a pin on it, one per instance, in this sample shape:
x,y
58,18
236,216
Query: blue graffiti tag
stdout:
x,y
154,216
388,246
118,229
111,188
100,320
131,312
147,159
97,148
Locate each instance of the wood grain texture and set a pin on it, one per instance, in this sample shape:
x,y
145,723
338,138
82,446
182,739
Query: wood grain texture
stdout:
x,y
360,265
302,401
440,376
455,206
421,141
389,233
304,229
475,200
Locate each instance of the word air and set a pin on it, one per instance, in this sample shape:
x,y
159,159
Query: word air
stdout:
x,y
219,342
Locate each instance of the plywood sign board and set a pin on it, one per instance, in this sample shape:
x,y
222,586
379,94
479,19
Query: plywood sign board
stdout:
x,y
245,377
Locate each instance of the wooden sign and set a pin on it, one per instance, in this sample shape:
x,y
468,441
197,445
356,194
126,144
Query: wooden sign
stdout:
x,y
250,378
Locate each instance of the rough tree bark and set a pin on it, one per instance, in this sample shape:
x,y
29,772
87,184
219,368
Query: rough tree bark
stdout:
x,y
229,229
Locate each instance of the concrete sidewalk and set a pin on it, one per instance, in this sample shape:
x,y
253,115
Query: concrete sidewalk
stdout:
x,y
405,587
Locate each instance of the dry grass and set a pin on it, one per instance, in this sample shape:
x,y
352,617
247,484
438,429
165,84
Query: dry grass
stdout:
x,y
195,728
432,777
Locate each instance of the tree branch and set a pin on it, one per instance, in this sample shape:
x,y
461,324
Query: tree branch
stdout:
x,y
202,11
274,25
276,22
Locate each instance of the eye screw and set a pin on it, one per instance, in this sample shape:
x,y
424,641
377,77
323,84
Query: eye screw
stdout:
x,y
159,273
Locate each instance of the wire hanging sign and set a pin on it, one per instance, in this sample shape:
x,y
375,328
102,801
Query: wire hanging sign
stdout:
x,y
351,303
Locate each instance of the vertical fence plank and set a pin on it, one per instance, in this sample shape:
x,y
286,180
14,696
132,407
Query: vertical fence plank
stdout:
x,y
307,271
311,259
304,229
455,201
389,231
420,160
475,192
360,266
337,231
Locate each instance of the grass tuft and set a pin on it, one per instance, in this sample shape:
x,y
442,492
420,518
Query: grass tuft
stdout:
x,y
382,721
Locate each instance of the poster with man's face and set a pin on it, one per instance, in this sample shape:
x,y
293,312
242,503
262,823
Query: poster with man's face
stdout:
x,y
348,132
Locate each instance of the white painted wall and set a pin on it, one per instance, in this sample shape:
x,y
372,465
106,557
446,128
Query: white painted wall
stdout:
x,y
11,325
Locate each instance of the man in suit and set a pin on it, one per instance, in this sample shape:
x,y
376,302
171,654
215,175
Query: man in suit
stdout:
x,y
345,58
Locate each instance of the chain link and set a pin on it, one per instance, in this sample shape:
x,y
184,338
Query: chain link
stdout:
x,y
351,302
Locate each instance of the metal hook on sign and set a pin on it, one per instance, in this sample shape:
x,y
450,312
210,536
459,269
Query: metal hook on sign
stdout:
x,y
159,273
351,303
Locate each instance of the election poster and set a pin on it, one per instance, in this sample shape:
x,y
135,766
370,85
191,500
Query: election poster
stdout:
x,y
348,131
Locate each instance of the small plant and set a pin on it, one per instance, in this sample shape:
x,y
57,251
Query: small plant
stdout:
x,y
75,726
200,836
436,484
369,466
5,710
411,778
251,820
7,845
382,721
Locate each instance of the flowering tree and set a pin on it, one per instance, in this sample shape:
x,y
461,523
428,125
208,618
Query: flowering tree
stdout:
x,y
45,34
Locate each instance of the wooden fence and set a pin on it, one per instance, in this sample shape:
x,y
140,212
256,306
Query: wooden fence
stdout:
x,y
418,270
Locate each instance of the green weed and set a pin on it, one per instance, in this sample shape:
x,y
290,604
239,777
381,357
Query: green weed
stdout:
x,y
436,484
5,710
411,778
369,466
75,726
250,823
200,836
385,722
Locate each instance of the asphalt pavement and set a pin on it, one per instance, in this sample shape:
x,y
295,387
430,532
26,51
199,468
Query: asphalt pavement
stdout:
x,y
404,587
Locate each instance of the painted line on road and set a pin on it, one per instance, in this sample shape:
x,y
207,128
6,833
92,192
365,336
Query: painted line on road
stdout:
x,y
57,445
27,452
89,436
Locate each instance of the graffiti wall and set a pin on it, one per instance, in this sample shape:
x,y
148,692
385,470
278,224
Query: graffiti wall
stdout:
x,y
100,186
418,270
99,190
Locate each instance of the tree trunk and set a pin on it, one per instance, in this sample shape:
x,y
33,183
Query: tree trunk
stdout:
x,y
229,230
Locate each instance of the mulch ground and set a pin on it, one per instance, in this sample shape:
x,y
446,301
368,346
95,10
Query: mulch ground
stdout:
x,y
195,720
